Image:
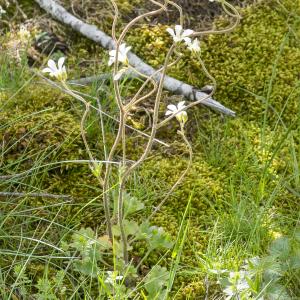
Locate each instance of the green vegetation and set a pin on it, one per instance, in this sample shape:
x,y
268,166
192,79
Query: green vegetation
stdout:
x,y
237,209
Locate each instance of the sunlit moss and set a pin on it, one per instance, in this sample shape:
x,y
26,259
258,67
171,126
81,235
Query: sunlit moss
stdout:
x,y
237,157
260,57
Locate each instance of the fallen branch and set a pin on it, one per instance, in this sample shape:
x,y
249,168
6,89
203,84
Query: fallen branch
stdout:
x,y
93,33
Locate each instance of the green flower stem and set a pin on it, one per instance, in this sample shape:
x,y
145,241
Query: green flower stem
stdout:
x,y
120,221
108,166
179,180
165,121
127,172
144,258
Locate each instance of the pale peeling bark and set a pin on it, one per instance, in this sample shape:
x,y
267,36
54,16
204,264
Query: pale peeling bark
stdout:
x,y
93,33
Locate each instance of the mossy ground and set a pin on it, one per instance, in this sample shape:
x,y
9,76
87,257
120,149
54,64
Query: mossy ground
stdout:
x,y
244,180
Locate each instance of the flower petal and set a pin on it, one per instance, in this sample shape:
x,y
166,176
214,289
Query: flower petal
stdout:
x,y
178,30
112,52
180,105
171,32
52,65
172,108
47,70
188,41
187,32
193,46
121,47
60,63
127,49
111,60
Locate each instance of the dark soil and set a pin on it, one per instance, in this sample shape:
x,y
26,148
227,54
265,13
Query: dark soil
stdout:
x,y
198,14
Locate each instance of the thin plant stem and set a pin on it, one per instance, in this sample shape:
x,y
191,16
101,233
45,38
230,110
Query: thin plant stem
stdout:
x,y
81,99
120,221
102,128
225,30
165,121
179,180
105,198
144,257
121,133
44,195
155,118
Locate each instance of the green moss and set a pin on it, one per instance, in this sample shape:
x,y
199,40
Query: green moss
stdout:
x,y
35,96
191,290
230,157
203,182
242,61
50,134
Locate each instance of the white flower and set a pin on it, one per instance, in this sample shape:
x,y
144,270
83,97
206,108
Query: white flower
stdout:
x,y
181,115
230,292
238,284
242,285
122,55
2,11
112,277
59,71
236,289
179,34
194,46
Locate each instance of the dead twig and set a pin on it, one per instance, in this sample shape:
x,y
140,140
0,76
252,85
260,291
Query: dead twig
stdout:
x,y
44,195
93,33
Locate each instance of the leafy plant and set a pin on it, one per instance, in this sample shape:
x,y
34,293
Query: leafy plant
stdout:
x,y
264,277
155,283
91,250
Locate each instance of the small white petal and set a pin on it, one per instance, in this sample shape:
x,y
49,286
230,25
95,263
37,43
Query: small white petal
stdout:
x,y
171,32
194,46
122,54
178,30
60,63
172,108
117,76
181,105
127,49
178,111
187,32
122,47
109,280
188,40
111,61
112,52
47,70
52,65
